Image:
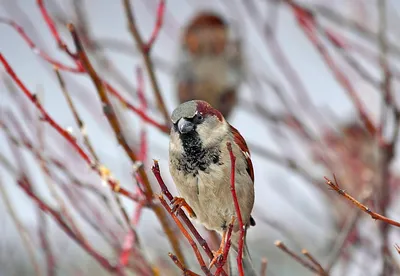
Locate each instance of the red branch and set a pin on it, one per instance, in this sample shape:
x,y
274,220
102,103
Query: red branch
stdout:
x,y
44,240
23,183
186,272
160,18
237,208
52,27
46,117
38,51
143,108
308,24
187,236
79,68
335,186
138,111
129,239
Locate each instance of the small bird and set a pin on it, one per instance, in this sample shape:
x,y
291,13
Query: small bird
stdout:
x,y
200,166
210,65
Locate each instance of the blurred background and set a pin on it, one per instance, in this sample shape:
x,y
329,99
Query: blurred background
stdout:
x,y
311,85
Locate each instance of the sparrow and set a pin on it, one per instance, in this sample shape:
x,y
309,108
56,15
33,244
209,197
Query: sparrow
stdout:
x,y
200,166
210,64
353,154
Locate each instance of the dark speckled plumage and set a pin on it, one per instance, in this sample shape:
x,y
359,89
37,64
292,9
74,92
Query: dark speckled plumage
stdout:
x,y
195,157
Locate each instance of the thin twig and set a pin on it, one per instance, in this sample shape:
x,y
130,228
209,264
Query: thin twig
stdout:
x,y
186,272
342,238
65,134
296,257
376,216
114,123
397,247
187,236
145,48
82,127
263,269
162,127
37,50
44,240
315,262
25,184
78,120
387,153
26,239
307,22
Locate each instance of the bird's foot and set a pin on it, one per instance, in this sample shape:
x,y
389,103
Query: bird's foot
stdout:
x,y
218,255
178,203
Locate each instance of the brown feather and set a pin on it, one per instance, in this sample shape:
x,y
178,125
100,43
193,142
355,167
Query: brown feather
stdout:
x,y
239,140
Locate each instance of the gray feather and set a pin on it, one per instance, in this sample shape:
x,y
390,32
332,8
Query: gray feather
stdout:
x,y
248,268
185,110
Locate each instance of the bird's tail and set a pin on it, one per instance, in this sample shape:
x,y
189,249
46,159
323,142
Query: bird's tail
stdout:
x,y
248,268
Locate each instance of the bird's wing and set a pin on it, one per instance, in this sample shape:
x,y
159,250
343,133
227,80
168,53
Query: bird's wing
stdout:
x,y
239,140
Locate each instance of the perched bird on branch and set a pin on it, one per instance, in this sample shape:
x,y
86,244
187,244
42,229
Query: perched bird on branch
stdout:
x,y
352,154
210,64
200,166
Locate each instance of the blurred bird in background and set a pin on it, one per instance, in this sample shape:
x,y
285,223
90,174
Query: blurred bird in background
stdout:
x,y
353,154
210,63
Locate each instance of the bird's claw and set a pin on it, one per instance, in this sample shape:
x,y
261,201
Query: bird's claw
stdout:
x,y
178,203
218,255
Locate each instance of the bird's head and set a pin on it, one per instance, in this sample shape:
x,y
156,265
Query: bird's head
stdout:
x,y
195,120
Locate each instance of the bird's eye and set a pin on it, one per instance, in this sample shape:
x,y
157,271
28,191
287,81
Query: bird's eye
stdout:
x,y
199,118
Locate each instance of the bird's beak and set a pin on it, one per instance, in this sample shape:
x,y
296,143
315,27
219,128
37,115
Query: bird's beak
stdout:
x,y
185,126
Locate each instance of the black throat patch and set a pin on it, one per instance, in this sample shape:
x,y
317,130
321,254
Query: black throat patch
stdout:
x,y
195,157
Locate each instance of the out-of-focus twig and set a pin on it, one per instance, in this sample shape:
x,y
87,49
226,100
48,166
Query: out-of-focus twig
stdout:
x,y
145,49
77,118
264,264
114,123
296,257
44,240
37,50
82,127
308,255
351,24
387,151
342,238
307,22
397,247
24,183
26,239
60,130
162,127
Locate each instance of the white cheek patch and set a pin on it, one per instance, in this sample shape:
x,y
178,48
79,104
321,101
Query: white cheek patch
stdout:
x,y
210,135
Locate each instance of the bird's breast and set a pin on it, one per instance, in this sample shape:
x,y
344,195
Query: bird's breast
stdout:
x,y
207,192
